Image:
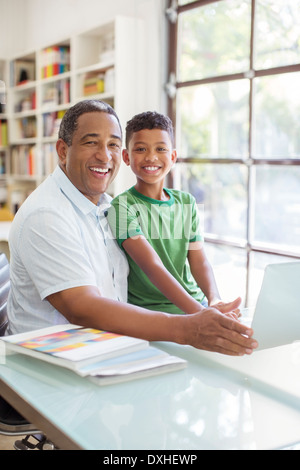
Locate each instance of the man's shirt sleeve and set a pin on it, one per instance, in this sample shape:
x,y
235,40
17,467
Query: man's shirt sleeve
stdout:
x,y
51,249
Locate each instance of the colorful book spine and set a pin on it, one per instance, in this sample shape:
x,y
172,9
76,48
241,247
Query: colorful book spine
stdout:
x,y
93,85
25,160
55,60
51,123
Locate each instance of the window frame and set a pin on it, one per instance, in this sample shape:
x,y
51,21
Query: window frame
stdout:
x,y
173,11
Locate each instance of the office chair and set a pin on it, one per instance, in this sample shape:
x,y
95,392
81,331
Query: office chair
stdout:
x,y
11,422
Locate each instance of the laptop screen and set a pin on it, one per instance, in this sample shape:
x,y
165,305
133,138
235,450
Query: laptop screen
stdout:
x,y
276,319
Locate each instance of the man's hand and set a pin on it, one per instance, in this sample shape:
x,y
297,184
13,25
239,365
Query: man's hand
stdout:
x,y
212,330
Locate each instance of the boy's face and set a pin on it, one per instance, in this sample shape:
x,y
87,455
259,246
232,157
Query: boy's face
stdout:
x,y
150,155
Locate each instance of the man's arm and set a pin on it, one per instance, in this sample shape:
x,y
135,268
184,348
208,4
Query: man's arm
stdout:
x,y
208,329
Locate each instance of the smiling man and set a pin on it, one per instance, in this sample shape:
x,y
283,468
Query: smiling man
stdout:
x,y
67,267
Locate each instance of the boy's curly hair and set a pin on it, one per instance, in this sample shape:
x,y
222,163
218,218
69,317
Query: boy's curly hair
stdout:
x,y
149,120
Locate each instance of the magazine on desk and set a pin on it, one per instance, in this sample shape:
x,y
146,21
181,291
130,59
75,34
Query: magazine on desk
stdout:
x,y
102,356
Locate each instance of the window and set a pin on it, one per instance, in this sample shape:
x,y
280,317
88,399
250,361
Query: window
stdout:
x,y
234,98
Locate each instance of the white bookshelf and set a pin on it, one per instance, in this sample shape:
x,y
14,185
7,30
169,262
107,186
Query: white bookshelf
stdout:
x,y
102,63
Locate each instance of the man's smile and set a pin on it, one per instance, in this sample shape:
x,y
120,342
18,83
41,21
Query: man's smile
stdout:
x,y
100,171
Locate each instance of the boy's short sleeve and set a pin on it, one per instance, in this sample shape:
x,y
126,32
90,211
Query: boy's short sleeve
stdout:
x,y
123,218
196,233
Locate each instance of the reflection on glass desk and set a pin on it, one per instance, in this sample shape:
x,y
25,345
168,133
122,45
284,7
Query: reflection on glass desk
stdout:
x,y
217,402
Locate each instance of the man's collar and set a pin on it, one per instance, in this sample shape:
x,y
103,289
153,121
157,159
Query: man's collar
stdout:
x,y
78,199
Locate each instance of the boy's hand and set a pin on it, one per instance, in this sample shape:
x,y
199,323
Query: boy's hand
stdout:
x,y
223,307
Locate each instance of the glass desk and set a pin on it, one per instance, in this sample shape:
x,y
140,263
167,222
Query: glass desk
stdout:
x,y
217,402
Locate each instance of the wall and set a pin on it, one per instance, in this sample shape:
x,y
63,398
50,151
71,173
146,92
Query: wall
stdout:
x,y
26,25
12,26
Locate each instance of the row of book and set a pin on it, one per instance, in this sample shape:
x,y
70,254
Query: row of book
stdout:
x,y
56,94
51,123
98,82
2,163
24,160
27,127
28,161
3,133
93,84
55,60
49,158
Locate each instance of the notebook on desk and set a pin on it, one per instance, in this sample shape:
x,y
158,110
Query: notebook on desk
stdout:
x,y
276,319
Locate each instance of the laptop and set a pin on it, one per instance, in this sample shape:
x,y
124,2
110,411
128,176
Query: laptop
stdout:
x,y
276,319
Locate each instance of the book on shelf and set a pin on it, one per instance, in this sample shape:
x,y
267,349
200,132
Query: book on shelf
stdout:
x,y
102,356
2,163
51,123
93,84
25,160
50,158
2,95
28,127
56,94
3,133
55,60
28,160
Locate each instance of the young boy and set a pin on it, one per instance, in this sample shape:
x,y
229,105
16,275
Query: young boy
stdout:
x,y
158,228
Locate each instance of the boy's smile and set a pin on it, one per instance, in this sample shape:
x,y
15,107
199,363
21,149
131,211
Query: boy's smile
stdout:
x,y
151,169
150,156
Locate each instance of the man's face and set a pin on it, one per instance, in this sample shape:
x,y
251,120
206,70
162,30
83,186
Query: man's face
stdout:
x,y
93,159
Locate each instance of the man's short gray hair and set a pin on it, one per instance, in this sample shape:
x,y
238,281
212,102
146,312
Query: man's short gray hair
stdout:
x,y
70,120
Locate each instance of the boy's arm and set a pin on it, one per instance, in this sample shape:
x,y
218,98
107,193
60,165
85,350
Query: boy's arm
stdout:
x,y
202,272
148,260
